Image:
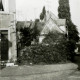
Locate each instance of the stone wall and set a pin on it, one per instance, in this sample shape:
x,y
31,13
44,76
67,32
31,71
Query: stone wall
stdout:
x,y
7,21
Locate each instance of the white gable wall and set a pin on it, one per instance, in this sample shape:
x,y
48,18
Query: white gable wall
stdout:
x,y
49,26
63,28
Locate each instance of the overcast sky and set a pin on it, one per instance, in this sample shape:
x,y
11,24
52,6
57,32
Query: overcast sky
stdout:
x,y
31,9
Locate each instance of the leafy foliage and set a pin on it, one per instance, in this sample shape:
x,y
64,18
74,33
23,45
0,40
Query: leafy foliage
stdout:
x,y
55,52
64,10
36,32
27,34
64,13
43,13
53,37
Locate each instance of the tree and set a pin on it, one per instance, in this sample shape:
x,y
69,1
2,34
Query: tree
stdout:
x,y
43,13
64,13
28,34
36,32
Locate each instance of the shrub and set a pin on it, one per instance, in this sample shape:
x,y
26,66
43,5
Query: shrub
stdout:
x,y
52,50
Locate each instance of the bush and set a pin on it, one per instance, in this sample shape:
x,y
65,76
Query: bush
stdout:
x,y
52,50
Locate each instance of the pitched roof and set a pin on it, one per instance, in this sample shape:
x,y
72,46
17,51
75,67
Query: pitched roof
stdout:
x,y
59,22
41,24
52,19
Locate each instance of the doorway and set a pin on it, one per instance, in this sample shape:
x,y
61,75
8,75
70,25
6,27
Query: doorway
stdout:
x,y
4,45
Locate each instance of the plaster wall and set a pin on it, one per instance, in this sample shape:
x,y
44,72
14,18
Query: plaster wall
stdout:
x,y
7,22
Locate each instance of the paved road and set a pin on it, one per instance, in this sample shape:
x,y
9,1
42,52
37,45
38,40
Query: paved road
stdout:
x,y
26,73
17,73
30,73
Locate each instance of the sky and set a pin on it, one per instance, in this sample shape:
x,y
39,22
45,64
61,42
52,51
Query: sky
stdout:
x,y
31,9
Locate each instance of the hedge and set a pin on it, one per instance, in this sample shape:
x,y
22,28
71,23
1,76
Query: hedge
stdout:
x,y
53,49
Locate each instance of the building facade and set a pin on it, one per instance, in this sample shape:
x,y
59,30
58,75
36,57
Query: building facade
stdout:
x,y
8,50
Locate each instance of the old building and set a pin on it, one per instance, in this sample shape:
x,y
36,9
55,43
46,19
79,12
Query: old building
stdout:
x,y
51,24
8,30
